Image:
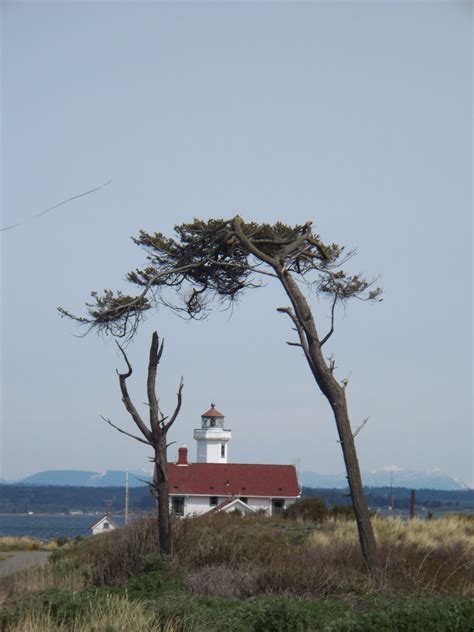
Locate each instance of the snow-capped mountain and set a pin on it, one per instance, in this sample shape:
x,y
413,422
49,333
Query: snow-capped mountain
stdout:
x,y
412,479
79,478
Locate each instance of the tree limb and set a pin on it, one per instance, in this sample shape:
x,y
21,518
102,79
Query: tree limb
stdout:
x,y
331,331
301,333
128,402
236,225
359,428
107,421
178,406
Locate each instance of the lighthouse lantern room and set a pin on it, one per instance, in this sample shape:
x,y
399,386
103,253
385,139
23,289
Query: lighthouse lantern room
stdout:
x,y
212,438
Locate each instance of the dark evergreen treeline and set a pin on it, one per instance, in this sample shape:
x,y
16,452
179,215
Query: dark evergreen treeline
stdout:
x,y
62,499
380,497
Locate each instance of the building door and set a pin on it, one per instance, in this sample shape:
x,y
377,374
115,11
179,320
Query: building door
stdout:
x,y
177,505
277,506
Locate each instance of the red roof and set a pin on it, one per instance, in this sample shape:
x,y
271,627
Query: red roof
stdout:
x,y
212,412
233,479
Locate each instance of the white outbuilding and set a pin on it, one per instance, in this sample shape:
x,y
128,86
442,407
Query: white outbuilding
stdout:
x,y
104,525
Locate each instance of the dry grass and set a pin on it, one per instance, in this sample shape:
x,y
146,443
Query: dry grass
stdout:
x,y
26,543
244,556
113,558
426,535
247,557
116,613
38,578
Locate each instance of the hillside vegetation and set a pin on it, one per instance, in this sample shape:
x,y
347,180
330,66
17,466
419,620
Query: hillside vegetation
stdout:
x,y
63,498
239,574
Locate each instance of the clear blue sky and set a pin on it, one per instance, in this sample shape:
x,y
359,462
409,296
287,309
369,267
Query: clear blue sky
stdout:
x,y
356,115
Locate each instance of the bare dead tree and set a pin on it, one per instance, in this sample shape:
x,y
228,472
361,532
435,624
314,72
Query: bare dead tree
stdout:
x,y
219,259
154,434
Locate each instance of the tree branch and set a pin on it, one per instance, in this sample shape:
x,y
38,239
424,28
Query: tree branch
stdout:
x,y
178,406
128,402
331,331
236,225
107,421
301,333
359,428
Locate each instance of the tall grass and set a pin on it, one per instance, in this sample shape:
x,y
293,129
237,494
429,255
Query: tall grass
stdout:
x,y
242,556
249,557
448,532
229,556
271,574
115,613
36,579
26,543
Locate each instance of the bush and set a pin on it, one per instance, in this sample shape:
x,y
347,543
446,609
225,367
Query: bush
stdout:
x,y
312,509
116,556
342,511
435,615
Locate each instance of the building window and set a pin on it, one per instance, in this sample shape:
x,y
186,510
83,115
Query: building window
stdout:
x,y
213,501
177,505
105,525
277,506
222,450
244,499
213,423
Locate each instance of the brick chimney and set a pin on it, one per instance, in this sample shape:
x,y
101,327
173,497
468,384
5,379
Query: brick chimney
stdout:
x,y
183,455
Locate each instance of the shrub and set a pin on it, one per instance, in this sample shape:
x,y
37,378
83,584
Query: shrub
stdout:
x,y
313,509
226,540
342,511
116,556
415,615
221,581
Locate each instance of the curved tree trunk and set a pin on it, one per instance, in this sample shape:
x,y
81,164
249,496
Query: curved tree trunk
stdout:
x,y
359,501
335,394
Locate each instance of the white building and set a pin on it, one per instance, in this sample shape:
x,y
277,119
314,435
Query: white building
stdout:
x,y
212,484
104,525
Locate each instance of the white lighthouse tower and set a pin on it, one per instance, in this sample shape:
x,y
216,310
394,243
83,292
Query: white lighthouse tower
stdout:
x,y
212,438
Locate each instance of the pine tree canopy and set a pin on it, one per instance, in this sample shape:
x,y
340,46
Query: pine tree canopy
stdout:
x,y
218,259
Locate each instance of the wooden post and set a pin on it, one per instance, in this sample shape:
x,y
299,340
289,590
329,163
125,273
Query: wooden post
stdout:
x,y
126,498
412,504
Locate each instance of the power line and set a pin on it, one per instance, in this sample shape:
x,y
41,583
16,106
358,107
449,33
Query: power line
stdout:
x,y
55,206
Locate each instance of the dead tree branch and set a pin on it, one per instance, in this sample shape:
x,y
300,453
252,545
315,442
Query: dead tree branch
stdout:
x,y
107,421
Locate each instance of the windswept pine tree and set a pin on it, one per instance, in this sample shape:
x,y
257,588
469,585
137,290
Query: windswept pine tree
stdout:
x,y
220,259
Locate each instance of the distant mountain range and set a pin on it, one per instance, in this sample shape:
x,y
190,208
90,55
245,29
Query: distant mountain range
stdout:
x,y
80,478
433,479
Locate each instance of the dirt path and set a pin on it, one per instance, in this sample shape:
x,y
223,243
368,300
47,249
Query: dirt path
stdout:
x,y
20,560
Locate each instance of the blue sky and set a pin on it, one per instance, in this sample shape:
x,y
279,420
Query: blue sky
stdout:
x,y
356,115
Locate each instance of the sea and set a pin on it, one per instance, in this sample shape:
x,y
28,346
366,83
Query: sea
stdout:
x,y
48,526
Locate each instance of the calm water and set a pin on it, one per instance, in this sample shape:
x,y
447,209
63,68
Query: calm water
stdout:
x,y
43,526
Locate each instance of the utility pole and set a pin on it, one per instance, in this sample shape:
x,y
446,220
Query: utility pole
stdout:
x,y
391,492
108,509
412,504
126,498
